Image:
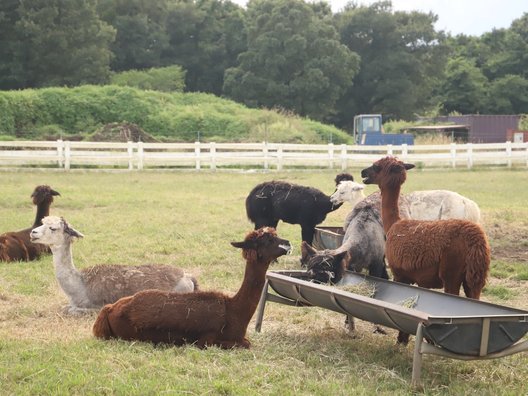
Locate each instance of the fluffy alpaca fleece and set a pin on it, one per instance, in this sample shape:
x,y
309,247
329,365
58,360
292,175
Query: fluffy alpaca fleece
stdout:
x,y
444,254
91,288
269,202
201,318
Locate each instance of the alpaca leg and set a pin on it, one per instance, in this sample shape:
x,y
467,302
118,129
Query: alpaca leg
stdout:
x,y
379,271
307,233
350,326
450,272
470,293
403,338
234,344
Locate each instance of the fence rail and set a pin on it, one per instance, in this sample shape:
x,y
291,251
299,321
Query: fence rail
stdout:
x,y
137,156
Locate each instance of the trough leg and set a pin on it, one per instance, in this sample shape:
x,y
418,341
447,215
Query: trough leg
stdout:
x,y
261,306
417,358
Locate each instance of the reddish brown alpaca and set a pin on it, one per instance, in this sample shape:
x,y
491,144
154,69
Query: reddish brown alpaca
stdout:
x,y
432,254
17,246
200,318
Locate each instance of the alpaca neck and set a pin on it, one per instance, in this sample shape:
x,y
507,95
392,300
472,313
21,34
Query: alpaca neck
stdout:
x,y
390,212
69,278
246,300
42,211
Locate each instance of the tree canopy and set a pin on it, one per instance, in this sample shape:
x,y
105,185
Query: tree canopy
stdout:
x,y
294,60
293,55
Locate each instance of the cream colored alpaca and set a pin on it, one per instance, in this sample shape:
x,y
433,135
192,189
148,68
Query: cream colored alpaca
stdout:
x,y
91,288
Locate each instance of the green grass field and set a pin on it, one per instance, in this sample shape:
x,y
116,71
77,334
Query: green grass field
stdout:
x,y
188,219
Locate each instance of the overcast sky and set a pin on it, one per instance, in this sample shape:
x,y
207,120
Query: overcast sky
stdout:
x,y
471,17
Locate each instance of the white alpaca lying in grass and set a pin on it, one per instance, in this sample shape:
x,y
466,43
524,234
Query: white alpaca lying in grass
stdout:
x,y
91,288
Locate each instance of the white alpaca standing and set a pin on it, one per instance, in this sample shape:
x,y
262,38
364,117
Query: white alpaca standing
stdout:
x,y
418,205
91,288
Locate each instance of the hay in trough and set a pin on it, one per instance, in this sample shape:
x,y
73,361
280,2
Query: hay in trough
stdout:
x,y
409,302
366,288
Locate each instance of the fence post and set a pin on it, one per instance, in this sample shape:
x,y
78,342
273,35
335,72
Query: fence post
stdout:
x,y
453,155
343,157
212,151
389,149
197,155
470,155
265,154
67,155
140,155
130,151
509,153
404,151
527,154
279,157
330,155
60,148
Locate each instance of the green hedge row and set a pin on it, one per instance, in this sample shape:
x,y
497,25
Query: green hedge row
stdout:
x,y
66,112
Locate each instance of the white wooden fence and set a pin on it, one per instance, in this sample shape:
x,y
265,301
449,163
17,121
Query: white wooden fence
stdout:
x,y
68,155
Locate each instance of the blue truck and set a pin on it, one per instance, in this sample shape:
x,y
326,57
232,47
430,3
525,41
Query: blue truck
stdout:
x,y
368,131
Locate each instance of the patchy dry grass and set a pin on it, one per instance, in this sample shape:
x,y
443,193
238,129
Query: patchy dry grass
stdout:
x,y
188,219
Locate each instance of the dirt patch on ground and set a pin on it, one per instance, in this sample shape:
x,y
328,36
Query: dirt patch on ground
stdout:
x,y
122,132
508,243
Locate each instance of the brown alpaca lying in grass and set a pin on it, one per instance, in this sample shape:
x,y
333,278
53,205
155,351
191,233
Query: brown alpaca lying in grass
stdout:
x,y
201,318
433,254
17,246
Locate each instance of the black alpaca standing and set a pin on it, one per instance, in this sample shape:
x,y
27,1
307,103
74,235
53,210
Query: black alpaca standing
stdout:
x,y
272,201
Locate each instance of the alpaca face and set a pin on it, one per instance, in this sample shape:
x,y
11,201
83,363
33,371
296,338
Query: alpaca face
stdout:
x,y
322,266
53,231
347,191
388,171
43,193
264,245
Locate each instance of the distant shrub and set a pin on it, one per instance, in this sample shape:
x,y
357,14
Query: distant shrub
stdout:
x,y
176,116
523,123
165,79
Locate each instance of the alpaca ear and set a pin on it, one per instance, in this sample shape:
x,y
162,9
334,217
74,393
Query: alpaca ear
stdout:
x,y
73,232
244,244
70,230
408,166
306,251
53,192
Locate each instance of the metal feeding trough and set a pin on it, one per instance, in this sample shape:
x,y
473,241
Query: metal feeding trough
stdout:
x,y
328,237
446,325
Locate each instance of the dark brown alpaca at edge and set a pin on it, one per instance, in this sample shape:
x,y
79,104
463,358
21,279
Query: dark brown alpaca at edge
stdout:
x,y
433,254
17,246
201,318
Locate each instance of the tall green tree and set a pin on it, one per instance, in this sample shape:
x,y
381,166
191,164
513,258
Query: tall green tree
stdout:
x,y
493,66
401,58
205,38
465,88
55,42
508,95
294,60
141,34
11,75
